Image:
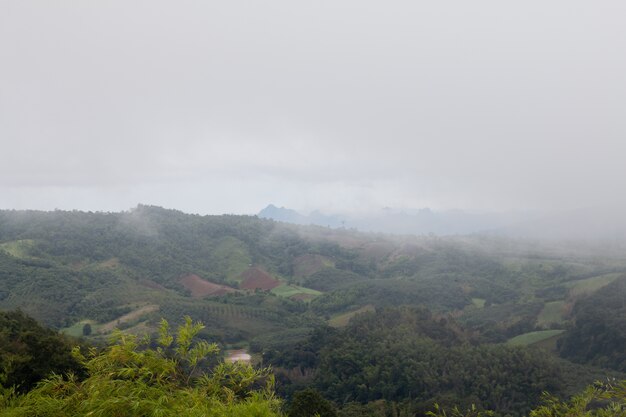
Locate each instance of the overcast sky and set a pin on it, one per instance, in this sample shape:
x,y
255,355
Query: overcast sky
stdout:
x,y
226,106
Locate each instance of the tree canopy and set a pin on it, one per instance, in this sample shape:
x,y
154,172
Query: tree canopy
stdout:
x,y
30,352
131,379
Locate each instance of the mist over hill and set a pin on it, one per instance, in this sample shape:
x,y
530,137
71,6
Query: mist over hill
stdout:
x,y
591,223
388,220
322,305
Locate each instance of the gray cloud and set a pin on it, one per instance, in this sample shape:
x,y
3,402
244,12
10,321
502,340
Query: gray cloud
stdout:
x,y
226,106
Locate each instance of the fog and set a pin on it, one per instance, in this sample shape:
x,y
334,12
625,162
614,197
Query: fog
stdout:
x,y
342,106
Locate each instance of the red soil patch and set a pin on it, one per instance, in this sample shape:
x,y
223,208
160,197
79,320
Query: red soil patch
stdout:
x,y
201,288
255,278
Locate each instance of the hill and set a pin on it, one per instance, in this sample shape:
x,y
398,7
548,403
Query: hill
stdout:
x,y
244,276
298,297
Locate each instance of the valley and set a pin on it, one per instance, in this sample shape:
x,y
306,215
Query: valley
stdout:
x,y
309,300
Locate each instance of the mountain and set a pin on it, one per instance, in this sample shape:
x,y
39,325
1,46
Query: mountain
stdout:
x,y
286,215
402,222
599,223
283,215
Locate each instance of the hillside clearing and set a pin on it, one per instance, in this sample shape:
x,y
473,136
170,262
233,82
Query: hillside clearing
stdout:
x,y
199,287
589,285
552,313
288,290
530,338
343,319
18,248
76,330
257,279
110,263
127,318
232,258
479,302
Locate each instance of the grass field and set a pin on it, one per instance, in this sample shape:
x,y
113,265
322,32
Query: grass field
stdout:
x,y
233,258
18,248
552,313
479,302
530,338
127,318
592,284
140,329
549,344
76,330
342,320
287,290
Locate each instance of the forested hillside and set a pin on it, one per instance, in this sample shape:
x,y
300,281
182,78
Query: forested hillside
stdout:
x,y
400,321
410,359
598,333
30,352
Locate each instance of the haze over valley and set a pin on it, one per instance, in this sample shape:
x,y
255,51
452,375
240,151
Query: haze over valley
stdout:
x,y
295,209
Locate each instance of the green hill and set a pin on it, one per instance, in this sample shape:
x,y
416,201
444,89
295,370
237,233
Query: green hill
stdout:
x,y
398,303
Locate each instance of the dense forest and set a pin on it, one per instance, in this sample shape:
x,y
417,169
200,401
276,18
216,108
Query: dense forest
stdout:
x,y
350,323
598,333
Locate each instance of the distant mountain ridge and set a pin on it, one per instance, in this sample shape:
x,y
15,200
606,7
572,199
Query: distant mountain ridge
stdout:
x,y
599,223
420,222
286,215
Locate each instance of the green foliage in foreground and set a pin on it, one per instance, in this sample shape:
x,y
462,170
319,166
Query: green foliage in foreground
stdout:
x,y
175,379
598,400
129,379
30,352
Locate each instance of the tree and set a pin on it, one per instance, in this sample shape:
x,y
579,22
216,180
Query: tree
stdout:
x,y
86,329
598,400
130,379
30,352
310,403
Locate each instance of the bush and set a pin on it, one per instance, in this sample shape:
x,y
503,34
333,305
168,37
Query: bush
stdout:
x,y
130,379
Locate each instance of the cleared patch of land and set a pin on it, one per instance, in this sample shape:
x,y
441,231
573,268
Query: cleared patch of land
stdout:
x,y
128,318
232,257
530,338
76,330
549,344
256,278
202,288
239,355
302,297
18,248
287,290
589,285
479,302
110,263
552,313
342,320
306,265
140,329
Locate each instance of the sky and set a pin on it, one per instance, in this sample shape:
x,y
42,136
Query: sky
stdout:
x,y
226,106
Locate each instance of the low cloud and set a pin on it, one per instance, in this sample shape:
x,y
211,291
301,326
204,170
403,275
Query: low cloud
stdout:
x,y
225,107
